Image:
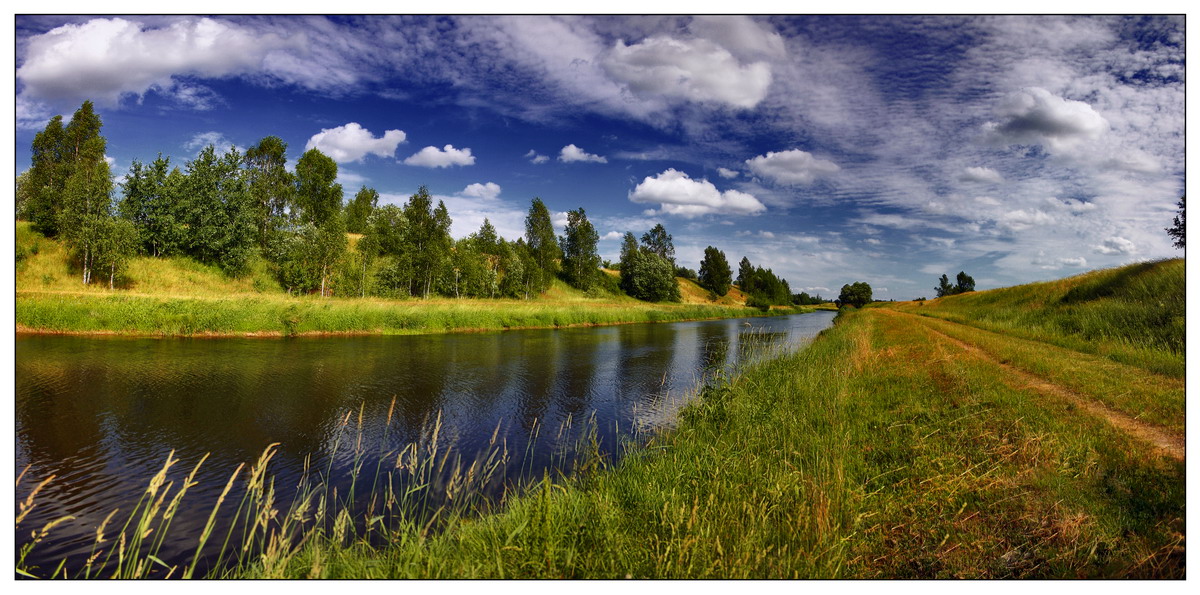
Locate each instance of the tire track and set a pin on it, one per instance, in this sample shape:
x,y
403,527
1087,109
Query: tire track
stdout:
x,y
1165,441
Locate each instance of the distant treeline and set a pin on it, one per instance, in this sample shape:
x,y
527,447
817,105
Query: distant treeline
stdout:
x,y
225,209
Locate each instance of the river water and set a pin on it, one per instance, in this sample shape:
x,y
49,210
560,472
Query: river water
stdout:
x,y
101,414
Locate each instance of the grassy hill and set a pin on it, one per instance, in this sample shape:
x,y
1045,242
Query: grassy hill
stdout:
x,y
1132,314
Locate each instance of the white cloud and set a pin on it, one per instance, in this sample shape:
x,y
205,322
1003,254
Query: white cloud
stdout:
x,y
727,173
613,235
791,167
350,180
694,70
106,59
740,35
445,157
204,139
352,142
1052,264
535,158
980,174
1022,219
572,154
486,191
1116,245
678,194
1035,116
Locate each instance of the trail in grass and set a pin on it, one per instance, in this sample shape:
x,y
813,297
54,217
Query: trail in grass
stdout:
x,y
1168,442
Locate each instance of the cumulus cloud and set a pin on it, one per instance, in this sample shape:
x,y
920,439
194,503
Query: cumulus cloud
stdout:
x,y
980,174
613,235
535,158
106,59
352,142
678,194
1036,116
791,167
1115,245
486,191
571,154
692,69
444,157
727,173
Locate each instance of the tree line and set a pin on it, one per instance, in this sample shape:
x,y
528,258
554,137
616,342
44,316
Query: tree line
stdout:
x,y
224,209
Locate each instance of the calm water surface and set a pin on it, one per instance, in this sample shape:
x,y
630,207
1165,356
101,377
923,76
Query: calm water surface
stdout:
x,y
101,414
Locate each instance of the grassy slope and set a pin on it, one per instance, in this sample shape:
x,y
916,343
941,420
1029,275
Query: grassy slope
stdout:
x,y
883,450
1132,314
178,296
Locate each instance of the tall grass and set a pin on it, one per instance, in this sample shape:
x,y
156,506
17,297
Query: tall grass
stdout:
x,y
1132,314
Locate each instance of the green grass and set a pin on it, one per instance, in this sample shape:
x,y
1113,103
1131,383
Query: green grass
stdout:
x,y
1132,314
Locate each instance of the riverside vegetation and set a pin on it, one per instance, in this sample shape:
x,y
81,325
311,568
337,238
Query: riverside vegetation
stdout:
x,y
907,441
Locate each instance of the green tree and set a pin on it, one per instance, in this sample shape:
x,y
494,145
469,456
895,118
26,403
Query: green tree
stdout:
x,y
514,264
85,204
715,274
745,273
855,294
116,244
964,283
944,288
359,209
47,177
383,242
658,241
542,245
426,240
218,211
645,275
580,260
318,197
1178,229
25,191
272,187
152,202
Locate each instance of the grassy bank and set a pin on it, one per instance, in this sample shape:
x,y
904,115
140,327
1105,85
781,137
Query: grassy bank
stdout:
x,y
1132,314
280,315
883,450
178,296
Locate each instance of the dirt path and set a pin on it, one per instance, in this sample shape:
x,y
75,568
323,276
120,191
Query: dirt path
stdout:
x,y
1168,442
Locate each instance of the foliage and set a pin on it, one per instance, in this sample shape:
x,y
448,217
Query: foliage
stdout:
x,y
803,299
1178,229
272,187
580,260
855,294
963,283
542,245
763,286
658,241
645,274
426,240
318,196
153,200
715,274
359,209
217,211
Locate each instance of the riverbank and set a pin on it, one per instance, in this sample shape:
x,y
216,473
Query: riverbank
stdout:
x,y
884,450
276,316
178,296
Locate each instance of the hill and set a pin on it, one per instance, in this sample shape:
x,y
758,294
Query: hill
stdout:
x,y
1132,314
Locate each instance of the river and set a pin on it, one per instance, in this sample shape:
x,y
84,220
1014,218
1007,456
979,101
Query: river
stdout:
x,y
101,414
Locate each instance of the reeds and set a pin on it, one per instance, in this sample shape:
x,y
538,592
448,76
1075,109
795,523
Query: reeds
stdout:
x,y
385,495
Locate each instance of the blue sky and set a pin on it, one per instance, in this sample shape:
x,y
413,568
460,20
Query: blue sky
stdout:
x,y
830,149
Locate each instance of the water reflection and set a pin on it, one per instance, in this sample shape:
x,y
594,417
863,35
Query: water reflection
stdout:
x,y
101,414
